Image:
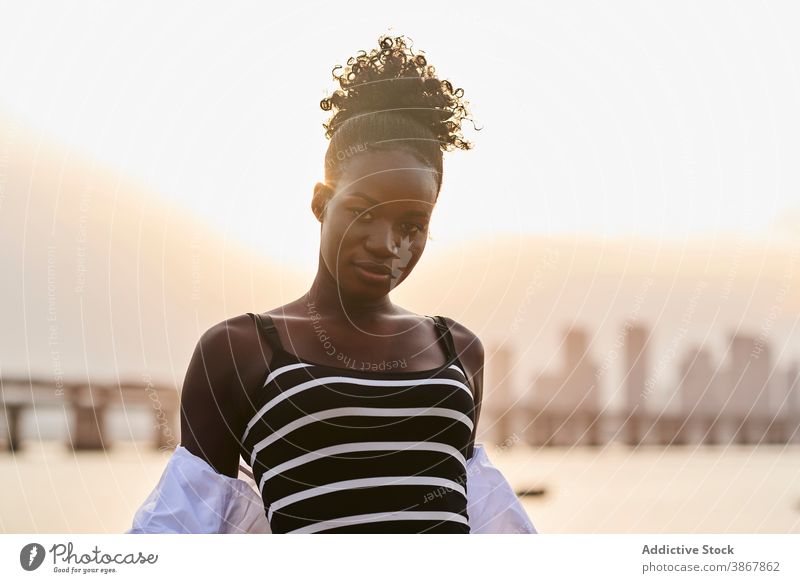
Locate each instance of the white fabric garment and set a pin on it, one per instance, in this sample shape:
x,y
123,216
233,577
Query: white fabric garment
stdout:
x,y
191,497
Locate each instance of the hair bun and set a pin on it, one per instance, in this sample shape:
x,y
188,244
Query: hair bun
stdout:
x,y
394,78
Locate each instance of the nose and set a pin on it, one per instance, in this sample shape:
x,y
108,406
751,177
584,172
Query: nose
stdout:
x,y
382,240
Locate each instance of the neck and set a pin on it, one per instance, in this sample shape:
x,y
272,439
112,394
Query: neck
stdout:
x,y
334,305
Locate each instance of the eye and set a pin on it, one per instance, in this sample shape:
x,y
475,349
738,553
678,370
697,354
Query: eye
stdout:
x,y
361,213
413,228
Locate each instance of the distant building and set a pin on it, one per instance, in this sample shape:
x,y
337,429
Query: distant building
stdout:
x,y
746,391
698,385
499,415
636,366
580,389
700,401
567,403
788,410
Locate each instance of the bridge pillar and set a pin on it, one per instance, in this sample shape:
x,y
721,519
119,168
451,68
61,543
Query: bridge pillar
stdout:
x,y
89,405
13,413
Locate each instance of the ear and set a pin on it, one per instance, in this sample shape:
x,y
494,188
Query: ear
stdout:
x,y
322,196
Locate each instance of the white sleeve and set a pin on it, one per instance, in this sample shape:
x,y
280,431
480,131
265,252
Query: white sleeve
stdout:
x,y
492,505
191,497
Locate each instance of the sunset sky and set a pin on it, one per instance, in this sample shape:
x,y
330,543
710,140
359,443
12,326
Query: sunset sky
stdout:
x,y
605,120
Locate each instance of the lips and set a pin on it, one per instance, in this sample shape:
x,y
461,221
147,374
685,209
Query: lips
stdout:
x,y
377,268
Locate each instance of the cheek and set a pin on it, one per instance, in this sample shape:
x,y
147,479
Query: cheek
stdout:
x,y
334,230
336,240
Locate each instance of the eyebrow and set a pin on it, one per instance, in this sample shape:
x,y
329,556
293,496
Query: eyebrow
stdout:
x,y
424,214
364,196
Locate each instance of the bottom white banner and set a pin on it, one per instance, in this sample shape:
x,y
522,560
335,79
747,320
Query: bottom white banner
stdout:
x,y
603,557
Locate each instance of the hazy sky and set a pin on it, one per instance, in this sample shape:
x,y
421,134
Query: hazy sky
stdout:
x,y
664,120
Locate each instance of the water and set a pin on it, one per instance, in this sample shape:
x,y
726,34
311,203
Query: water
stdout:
x,y
618,489
48,488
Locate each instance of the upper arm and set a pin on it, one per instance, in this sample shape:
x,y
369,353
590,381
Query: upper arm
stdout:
x,y
211,421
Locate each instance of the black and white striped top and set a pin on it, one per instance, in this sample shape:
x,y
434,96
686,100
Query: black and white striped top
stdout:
x,y
344,450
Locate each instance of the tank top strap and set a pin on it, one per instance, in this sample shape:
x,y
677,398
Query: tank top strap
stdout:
x,y
445,338
266,327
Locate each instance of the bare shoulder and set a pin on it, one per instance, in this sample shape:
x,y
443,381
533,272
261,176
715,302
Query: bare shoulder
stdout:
x,y
239,338
237,351
468,345
228,359
230,332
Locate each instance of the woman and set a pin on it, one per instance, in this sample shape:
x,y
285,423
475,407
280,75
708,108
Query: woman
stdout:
x,y
355,414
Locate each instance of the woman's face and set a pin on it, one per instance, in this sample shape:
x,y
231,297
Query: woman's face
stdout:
x,y
375,225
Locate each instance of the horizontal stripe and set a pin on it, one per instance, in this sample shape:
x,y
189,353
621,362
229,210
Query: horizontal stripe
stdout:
x,y
458,369
272,376
364,483
361,446
379,517
366,464
357,412
350,381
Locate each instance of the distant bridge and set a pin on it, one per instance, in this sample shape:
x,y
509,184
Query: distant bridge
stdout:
x,y
87,404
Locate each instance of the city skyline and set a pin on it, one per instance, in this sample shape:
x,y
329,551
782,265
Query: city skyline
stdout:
x,y
742,397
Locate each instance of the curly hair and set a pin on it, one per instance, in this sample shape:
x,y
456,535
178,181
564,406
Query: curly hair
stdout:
x,y
391,98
